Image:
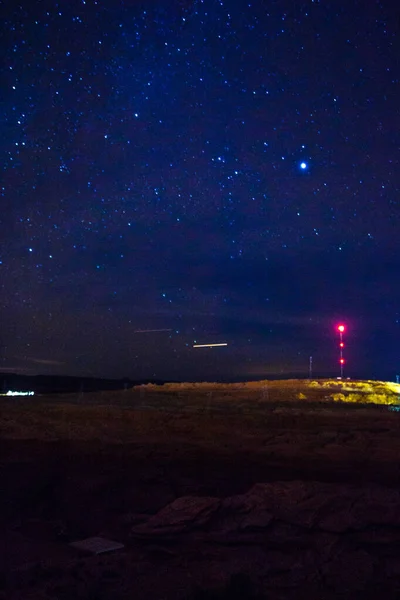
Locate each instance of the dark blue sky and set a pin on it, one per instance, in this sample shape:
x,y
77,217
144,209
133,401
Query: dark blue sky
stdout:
x,y
224,170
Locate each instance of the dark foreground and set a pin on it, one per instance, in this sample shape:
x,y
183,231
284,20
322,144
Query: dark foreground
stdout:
x,y
267,500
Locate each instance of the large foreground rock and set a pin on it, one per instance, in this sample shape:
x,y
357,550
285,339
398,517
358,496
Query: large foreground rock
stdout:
x,y
311,506
337,537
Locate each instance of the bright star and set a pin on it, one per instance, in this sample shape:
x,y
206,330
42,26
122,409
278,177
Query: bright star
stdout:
x,y
303,165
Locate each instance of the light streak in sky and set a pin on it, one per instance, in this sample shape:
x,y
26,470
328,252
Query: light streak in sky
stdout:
x,y
150,330
208,345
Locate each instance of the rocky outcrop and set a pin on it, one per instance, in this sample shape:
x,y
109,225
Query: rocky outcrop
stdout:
x,y
310,506
184,514
335,536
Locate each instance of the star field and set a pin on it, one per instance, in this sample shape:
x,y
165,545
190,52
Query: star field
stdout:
x,y
226,171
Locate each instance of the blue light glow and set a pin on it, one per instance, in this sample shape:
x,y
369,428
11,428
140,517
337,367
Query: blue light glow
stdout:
x,y
303,166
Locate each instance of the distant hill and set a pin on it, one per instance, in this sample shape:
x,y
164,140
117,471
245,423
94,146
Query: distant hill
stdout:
x,y
59,384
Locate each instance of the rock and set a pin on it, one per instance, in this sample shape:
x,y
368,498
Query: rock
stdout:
x,y
182,515
333,508
334,536
259,519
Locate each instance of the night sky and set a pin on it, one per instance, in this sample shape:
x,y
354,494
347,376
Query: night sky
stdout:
x,y
220,171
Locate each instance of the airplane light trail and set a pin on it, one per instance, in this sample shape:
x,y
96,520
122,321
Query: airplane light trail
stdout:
x,y
150,330
208,345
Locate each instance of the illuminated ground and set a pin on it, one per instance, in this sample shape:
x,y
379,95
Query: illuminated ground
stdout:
x,y
78,466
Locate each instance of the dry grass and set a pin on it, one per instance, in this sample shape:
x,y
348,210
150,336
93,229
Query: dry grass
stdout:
x,y
324,390
192,413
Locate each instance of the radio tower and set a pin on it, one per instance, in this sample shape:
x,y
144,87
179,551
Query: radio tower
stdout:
x,y
341,329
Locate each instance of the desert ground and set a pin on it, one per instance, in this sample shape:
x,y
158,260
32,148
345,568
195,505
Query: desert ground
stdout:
x,y
274,489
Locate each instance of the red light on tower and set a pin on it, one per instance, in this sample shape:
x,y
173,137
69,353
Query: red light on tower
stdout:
x,y
340,329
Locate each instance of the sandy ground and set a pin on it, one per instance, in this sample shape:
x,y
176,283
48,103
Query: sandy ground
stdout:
x,y
298,495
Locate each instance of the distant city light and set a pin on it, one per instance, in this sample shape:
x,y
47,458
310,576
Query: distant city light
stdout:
x,y
341,328
11,393
342,361
341,344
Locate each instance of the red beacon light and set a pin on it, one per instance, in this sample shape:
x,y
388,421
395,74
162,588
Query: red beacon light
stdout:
x,y
341,329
